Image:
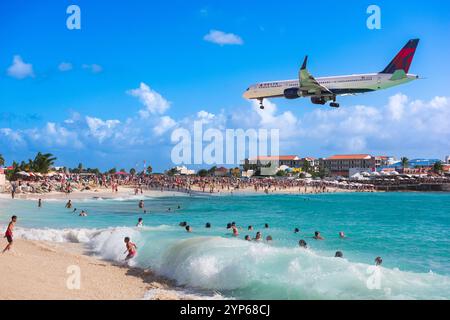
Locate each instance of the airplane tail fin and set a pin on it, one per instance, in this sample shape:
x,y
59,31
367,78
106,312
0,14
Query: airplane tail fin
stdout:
x,y
403,59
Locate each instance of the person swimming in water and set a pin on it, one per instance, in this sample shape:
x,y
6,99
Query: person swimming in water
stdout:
x,y
250,228
378,261
69,204
318,236
131,249
83,214
228,225
39,203
296,230
302,244
188,229
258,236
247,238
183,224
266,225
141,204
341,235
140,222
269,238
208,225
338,254
9,233
235,231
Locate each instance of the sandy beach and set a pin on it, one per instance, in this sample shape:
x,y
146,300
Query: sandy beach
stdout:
x,y
39,270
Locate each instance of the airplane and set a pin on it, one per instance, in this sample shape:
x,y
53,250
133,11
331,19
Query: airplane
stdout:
x,y
322,90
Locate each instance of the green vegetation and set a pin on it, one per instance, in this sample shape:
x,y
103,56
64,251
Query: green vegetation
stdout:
x,y
438,167
281,173
405,162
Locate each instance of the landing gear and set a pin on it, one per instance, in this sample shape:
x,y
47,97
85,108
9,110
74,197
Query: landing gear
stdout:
x,y
261,106
334,105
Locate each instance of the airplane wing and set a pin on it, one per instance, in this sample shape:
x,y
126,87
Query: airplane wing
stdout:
x,y
308,83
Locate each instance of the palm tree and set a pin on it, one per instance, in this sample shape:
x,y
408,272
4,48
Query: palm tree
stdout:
x,y
2,160
404,161
43,162
438,167
306,167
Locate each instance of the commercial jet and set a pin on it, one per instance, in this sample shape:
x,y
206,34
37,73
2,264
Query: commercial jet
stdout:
x,y
323,90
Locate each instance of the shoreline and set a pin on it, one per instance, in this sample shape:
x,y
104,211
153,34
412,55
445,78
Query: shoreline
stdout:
x,y
41,270
127,192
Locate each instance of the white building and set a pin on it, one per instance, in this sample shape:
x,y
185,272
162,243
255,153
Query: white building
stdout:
x,y
182,170
447,159
2,181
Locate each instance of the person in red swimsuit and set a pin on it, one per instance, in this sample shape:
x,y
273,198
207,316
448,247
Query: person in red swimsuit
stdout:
x,y
131,249
9,233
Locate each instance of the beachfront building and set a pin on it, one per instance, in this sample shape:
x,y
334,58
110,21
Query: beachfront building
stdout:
x,y
2,180
384,161
221,172
183,171
447,159
268,165
348,164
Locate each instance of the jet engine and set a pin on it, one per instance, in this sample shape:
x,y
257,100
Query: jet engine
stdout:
x,y
318,100
292,93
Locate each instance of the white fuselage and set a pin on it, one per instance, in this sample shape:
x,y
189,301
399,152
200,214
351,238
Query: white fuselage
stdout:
x,y
339,85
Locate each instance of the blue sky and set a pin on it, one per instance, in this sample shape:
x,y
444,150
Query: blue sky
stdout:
x,y
162,45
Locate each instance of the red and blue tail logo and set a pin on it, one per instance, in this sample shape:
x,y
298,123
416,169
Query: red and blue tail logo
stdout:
x,y
403,59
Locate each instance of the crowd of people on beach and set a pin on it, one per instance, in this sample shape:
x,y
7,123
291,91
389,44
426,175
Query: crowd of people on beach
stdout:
x,y
189,184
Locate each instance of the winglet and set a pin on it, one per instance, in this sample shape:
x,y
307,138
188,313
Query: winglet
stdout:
x,y
304,63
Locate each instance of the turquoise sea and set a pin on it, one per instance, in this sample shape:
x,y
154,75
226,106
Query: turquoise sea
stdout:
x,y
410,231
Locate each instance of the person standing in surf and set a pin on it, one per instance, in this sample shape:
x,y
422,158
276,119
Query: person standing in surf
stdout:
x,y
131,249
9,233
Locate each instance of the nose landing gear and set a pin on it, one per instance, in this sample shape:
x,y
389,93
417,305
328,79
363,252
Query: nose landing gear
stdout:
x,y
334,105
261,106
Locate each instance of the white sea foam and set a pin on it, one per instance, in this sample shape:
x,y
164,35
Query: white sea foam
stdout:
x,y
250,270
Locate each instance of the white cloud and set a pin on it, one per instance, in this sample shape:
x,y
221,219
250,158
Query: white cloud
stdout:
x,y
94,68
396,106
165,123
65,66
154,103
423,129
19,69
101,129
222,38
13,136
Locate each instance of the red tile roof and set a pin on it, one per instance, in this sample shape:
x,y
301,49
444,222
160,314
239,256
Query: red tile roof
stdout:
x,y
276,158
350,157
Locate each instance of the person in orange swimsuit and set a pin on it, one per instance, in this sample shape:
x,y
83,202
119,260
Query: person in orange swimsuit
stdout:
x,y
131,249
